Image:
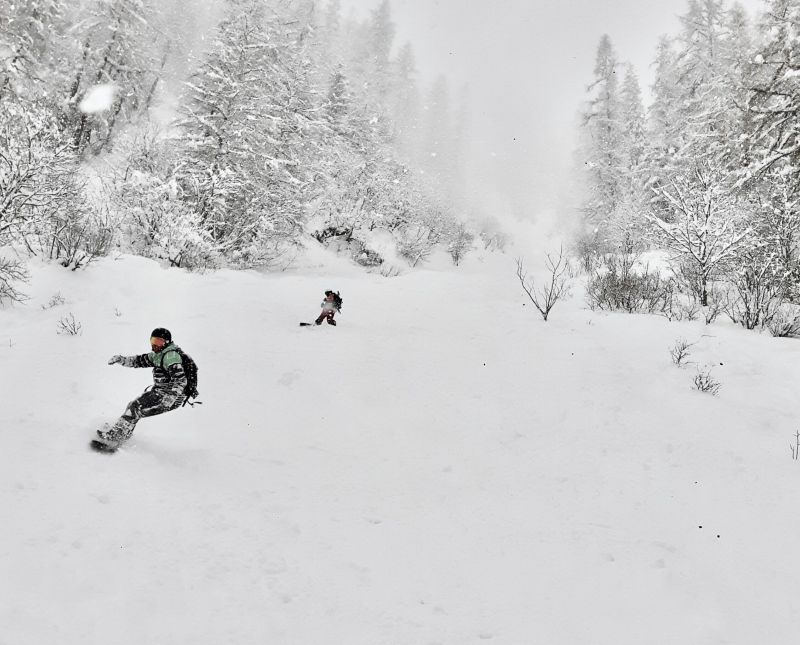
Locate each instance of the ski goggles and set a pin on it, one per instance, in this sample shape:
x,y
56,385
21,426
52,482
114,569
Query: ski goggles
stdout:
x,y
157,343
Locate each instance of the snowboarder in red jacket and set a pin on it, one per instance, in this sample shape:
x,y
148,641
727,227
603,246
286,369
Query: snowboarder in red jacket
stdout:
x,y
330,306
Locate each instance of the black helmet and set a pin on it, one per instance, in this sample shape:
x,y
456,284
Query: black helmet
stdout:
x,y
160,332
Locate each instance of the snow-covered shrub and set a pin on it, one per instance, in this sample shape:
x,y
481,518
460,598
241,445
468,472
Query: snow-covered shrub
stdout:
x,y
158,225
367,257
56,301
37,174
75,236
343,240
677,306
704,382
492,235
264,251
69,326
555,287
12,271
689,278
619,283
590,249
390,271
680,351
417,237
415,243
785,322
460,240
154,219
43,199
757,289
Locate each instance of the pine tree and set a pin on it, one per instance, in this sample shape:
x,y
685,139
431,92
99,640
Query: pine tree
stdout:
x,y
710,77
338,102
601,134
632,135
628,222
664,120
699,114
405,104
331,29
736,123
245,123
775,99
381,31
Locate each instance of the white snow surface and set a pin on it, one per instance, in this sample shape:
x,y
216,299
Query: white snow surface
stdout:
x,y
98,98
441,467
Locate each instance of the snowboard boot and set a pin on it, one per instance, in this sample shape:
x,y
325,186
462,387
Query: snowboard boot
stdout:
x,y
104,439
114,435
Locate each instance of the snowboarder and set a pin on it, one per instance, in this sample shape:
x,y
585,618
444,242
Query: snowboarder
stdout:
x,y
331,304
168,391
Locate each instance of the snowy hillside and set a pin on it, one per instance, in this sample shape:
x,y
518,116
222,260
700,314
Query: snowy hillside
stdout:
x,y
441,467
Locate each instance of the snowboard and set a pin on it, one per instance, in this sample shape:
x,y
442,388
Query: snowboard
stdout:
x,y
102,446
98,445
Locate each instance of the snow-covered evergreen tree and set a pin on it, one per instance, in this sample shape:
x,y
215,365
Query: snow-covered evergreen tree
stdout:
x,y
775,99
632,135
338,103
711,69
245,118
664,119
601,151
405,106
381,32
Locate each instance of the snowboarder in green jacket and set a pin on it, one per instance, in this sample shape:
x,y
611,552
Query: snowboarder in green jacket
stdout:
x,y
168,391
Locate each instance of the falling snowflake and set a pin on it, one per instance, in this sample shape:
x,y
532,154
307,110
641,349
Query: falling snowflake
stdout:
x,y
98,99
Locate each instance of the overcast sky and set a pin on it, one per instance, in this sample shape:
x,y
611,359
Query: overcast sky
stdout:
x,y
527,63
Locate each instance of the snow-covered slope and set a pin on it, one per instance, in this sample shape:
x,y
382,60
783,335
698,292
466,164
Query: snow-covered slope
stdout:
x,y
442,467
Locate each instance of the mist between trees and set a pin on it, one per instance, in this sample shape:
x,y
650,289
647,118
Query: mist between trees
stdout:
x,y
709,170
289,122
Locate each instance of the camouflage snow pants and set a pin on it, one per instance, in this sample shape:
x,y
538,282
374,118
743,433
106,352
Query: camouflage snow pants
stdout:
x,y
326,315
149,404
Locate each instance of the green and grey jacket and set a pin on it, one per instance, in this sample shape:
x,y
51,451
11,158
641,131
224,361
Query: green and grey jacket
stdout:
x,y
169,379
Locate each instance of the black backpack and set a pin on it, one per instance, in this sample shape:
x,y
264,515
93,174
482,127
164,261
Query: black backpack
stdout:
x,y
190,369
